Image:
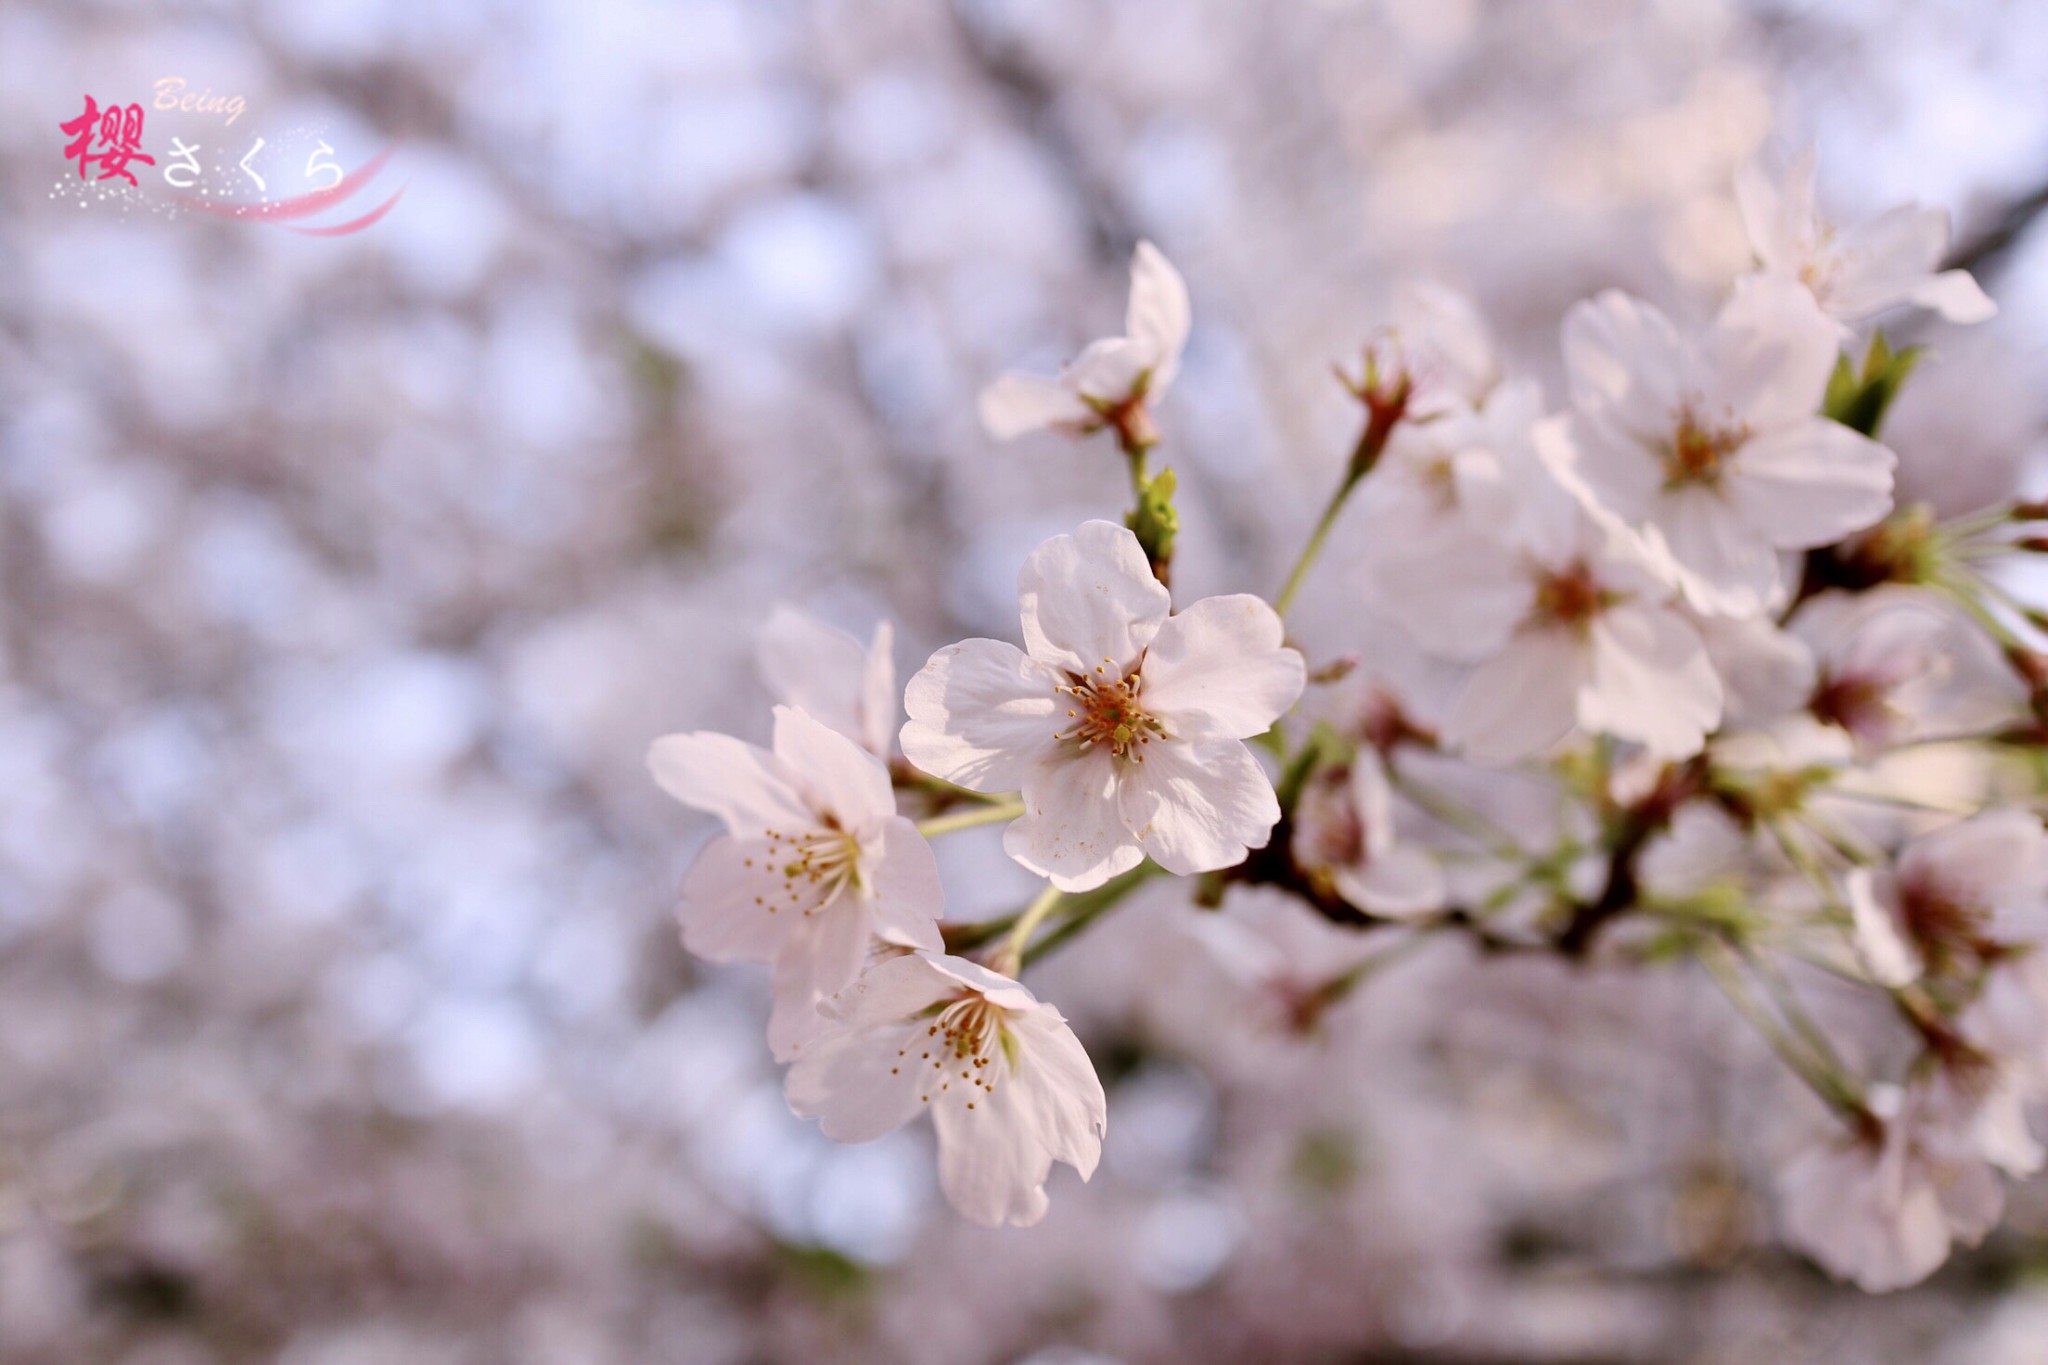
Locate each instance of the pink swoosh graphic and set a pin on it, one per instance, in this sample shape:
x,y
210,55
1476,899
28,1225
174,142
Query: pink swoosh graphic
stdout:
x,y
353,224
299,206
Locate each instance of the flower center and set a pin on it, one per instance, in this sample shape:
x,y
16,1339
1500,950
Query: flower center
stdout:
x,y
1104,710
816,865
1945,926
1698,451
962,1041
1571,596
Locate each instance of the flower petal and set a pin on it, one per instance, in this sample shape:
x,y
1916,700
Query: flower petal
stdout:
x,y
1765,362
1061,1090
1219,671
1810,483
1198,806
992,1165
1624,360
1017,404
878,695
853,1081
742,784
732,907
1880,935
907,899
981,715
1651,682
840,778
1401,883
1956,296
1522,700
1089,600
1070,831
814,964
1159,314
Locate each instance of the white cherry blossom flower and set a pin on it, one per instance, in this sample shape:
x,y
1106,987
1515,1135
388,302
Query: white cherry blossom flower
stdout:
x,y
1955,895
1114,382
1881,1207
814,865
1714,451
1897,663
1589,641
1123,726
1281,956
1345,828
1892,260
827,674
1009,1088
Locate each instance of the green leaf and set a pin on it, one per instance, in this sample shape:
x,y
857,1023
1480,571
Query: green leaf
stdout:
x,y
1154,521
1860,401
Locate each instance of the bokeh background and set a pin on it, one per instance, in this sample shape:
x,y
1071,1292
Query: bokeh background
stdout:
x,y
343,582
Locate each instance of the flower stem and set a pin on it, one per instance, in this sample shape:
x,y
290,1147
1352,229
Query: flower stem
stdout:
x,y
1009,959
1383,412
1085,908
993,814
1834,1088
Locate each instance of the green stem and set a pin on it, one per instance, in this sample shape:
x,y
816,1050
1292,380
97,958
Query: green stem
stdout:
x,y
1834,1088
1084,908
1310,551
968,819
1009,959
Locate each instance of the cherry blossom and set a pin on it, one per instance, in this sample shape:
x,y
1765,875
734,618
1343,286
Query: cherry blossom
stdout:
x,y
1113,382
1714,450
1345,827
1009,1088
813,866
1956,896
1123,726
1891,260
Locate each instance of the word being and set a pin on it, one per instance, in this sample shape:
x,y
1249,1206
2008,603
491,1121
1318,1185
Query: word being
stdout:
x,y
120,140
167,97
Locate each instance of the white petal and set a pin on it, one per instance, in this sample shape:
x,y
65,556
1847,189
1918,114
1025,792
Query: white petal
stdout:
x,y
1625,360
966,973
854,1082
745,786
820,960
894,989
838,777
981,715
1019,403
1061,1090
1522,700
1881,940
1725,565
809,665
1779,223
1219,671
1159,314
1985,860
1109,370
1765,672
907,899
1070,831
1089,600
1458,595
1200,806
1401,883
1956,296
1372,800
1651,682
878,696
992,1165
1811,483
725,907
1766,360
1881,261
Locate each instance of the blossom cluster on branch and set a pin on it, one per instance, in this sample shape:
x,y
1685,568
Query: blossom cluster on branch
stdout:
x,y
1792,730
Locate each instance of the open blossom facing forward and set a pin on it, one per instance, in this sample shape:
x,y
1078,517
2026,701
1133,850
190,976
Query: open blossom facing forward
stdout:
x,y
1008,1086
1115,380
815,863
1122,726
1855,272
1714,450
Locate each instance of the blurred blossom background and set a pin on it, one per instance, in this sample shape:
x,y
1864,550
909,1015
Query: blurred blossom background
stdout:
x,y
345,581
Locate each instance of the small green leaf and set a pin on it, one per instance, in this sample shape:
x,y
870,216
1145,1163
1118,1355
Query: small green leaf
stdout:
x,y
1860,402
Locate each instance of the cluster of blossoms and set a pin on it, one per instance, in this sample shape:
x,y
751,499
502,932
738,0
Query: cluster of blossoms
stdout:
x,y
1784,724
